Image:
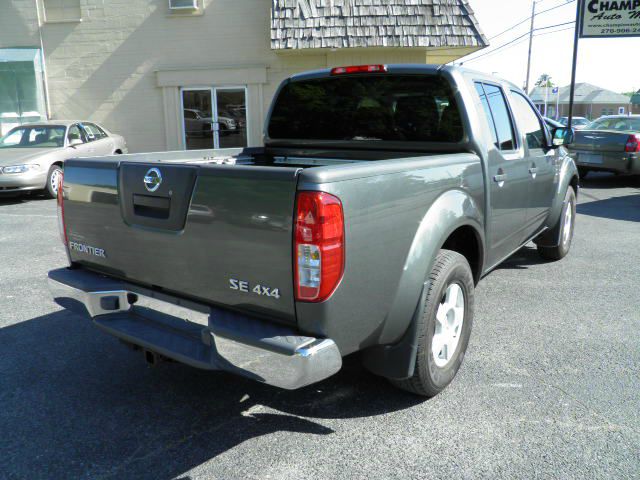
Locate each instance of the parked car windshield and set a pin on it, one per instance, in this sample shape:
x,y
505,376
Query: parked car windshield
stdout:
x,y
623,124
576,121
378,107
34,137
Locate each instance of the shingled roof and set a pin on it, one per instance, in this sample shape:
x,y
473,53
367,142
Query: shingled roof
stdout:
x,y
300,24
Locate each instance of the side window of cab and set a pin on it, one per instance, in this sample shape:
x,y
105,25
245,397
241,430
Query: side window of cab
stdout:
x,y
529,123
496,110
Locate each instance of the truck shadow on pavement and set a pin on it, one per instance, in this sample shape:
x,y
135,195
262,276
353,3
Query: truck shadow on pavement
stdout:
x,y
524,258
603,180
76,403
616,208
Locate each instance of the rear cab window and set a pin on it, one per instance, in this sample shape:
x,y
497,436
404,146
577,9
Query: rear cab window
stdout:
x,y
360,108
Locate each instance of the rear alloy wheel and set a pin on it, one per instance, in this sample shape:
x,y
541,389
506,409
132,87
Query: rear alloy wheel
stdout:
x,y
445,326
564,229
449,321
53,181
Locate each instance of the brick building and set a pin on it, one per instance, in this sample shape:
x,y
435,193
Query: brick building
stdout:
x,y
161,72
589,101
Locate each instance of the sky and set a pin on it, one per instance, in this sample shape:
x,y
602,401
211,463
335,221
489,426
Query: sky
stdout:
x,y
611,63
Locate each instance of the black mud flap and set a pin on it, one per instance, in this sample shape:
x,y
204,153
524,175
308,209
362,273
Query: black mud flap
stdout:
x,y
397,361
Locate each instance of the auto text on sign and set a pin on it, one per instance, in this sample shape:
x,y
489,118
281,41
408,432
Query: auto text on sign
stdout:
x,y
610,18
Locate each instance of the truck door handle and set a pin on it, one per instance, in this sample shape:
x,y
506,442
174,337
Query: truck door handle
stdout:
x,y
533,171
500,178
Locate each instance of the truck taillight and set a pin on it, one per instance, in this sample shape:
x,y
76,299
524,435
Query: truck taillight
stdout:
x,y
359,69
61,225
633,144
319,246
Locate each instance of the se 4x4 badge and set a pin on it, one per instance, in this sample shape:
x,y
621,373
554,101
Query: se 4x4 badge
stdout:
x,y
242,286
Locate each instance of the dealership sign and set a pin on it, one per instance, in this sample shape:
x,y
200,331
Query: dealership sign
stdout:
x,y
610,18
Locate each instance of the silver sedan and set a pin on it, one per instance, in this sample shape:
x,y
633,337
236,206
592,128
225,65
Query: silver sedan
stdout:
x,y
31,155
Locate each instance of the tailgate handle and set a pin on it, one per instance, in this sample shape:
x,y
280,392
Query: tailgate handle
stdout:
x,y
150,206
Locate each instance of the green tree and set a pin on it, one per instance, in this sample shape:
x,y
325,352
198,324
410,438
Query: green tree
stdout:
x,y
545,81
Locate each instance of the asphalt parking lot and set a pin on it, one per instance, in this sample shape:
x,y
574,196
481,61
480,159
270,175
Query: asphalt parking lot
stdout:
x,y
550,387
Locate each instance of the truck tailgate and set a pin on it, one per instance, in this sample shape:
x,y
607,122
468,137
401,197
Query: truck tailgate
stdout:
x,y
218,233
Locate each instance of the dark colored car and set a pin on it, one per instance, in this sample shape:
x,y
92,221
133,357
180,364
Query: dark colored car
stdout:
x,y
610,144
382,196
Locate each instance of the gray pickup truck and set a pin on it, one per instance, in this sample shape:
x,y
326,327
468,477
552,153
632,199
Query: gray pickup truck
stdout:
x,y
383,194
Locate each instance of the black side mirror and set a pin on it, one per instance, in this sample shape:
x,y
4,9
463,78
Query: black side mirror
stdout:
x,y
562,136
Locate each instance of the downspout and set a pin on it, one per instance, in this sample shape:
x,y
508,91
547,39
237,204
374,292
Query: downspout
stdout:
x,y
45,81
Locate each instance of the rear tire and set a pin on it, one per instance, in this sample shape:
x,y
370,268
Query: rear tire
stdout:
x,y
564,229
583,172
53,181
445,326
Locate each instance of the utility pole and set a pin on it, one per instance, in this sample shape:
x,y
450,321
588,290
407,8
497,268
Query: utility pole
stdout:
x,y
576,41
45,79
533,16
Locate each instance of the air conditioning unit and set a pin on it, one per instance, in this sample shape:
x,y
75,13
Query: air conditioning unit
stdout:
x,y
183,4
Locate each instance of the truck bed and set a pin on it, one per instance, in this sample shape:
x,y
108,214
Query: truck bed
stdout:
x,y
218,218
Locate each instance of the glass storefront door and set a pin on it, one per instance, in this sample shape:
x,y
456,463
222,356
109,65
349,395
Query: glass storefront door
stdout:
x,y
214,117
21,87
197,115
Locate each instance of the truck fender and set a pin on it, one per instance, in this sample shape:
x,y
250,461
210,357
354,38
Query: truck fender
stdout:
x,y
394,357
568,177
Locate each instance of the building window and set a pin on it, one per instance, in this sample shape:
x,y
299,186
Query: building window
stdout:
x,y
21,88
214,117
183,4
185,7
62,11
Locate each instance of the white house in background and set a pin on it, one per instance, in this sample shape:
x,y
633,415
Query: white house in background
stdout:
x,y
162,72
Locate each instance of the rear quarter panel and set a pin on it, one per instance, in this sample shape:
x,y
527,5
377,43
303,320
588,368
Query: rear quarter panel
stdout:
x,y
398,213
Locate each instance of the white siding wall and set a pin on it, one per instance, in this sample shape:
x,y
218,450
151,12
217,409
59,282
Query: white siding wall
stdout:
x,y
110,66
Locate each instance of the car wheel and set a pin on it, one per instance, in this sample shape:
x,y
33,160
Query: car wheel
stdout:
x,y
583,172
565,227
445,326
53,181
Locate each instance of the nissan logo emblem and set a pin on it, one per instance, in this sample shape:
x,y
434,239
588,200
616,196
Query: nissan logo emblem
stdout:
x,y
153,180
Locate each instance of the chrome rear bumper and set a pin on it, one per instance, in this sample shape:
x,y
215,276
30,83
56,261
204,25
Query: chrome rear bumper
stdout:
x,y
196,334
